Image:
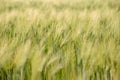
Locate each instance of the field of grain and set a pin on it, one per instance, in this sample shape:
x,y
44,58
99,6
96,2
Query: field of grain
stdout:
x,y
59,40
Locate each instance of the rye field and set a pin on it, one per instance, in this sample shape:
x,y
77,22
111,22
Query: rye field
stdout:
x,y
59,39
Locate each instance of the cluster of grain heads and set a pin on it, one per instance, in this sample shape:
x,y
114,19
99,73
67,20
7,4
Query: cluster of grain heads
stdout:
x,y
21,54
45,66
